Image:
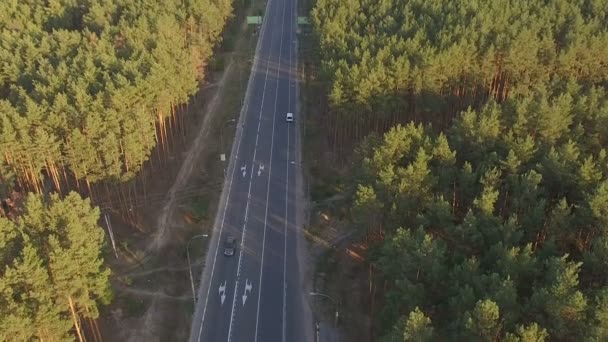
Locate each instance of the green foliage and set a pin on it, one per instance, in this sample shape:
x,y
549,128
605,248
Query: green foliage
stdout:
x,y
83,83
600,329
416,328
200,208
374,54
483,322
50,254
531,333
497,228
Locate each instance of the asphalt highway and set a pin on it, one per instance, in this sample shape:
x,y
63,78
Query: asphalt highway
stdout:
x,y
256,295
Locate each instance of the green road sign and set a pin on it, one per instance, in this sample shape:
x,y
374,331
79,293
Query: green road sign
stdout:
x,y
303,21
254,20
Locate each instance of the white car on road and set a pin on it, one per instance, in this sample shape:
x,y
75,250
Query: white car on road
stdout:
x,y
289,117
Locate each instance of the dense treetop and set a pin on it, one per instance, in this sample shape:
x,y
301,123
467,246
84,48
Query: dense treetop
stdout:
x,y
83,82
374,50
496,228
83,86
50,266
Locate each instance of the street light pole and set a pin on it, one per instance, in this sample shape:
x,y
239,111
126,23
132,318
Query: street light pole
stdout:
x,y
190,267
330,298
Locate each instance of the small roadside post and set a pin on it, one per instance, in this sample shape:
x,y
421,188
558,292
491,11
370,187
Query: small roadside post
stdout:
x,y
190,266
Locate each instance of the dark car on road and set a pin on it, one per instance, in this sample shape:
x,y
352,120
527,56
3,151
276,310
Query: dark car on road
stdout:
x,y
229,246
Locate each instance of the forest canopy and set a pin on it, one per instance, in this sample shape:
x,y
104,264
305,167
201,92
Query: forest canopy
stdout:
x,y
84,82
497,226
86,89
491,225
376,53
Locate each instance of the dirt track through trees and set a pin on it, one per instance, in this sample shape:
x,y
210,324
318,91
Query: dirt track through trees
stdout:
x,y
185,172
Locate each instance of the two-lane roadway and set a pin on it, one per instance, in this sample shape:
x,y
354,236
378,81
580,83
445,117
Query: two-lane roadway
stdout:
x,y
257,295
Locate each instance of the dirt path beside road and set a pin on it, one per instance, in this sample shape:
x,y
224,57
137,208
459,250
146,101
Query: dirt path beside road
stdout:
x,y
165,219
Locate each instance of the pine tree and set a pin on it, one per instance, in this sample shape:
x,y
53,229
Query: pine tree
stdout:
x,y
484,321
530,333
418,327
52,268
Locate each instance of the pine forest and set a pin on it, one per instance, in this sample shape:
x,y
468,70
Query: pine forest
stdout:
x,y
88,90
85,83
480,171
